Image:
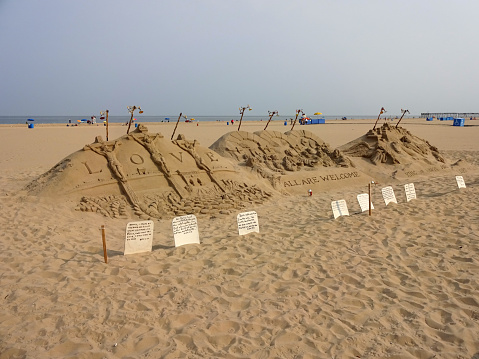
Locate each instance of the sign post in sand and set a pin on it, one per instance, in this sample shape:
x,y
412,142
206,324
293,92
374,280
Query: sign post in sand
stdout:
x,y
340,208
247,222
132,109
242,109
177,122
104,116
185,230
460,182
380,113
297,113
403,113
388,195
271,114
139,237
410,191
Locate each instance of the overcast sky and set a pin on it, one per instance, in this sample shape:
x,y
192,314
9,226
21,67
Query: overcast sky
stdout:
x,y
209,57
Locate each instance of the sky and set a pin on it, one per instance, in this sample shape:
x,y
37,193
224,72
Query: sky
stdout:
x,y
210,57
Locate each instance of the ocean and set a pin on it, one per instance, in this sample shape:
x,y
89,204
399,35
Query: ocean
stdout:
x,y
172,118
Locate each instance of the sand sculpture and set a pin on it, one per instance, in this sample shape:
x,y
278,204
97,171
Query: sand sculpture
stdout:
x,y
392,145
285,159
393,152
150,175
143,174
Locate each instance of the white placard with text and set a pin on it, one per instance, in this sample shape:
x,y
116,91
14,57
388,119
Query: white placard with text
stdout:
x,y
388,195
247,222
460,182
139,237
340,208
185,230
363,200
410,191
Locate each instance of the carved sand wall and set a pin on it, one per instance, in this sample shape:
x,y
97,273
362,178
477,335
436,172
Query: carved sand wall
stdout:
x,y
150,176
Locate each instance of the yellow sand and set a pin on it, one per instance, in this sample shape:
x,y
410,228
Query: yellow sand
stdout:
x,y
400,284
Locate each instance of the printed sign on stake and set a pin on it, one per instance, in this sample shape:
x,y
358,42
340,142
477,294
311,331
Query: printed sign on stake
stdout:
x,y
340,208
460,182
139,237
247,222
185,230
363,200
388,195
410,191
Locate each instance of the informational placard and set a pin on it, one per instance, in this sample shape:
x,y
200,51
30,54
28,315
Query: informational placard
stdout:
x,y
460,182
388,195
139,237
410,191
363,200
247,222
185,230
340,208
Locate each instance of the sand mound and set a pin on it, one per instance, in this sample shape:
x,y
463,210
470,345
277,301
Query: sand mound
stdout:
x,y
393,152
151,175
294,161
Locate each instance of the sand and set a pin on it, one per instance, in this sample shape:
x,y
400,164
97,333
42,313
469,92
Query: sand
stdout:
x,y
402,283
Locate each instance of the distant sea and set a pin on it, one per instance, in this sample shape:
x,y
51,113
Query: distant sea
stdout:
x,y
173,118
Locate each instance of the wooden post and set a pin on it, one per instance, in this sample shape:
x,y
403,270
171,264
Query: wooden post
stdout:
x,y
404,112
270,117
242,113
370,209
105,255
107,124
131,119
177,122
380,113
294,123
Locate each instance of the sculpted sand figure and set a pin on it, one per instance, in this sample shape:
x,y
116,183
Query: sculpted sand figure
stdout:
x,y
108,151
147,141
189,147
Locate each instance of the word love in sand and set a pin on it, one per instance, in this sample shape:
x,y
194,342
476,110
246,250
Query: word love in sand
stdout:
x,y
185,230
410,191
460,182
388,195
139,237
340,208
363,200
247,222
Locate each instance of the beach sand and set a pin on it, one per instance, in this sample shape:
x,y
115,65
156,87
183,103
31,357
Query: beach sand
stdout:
x,y
402,283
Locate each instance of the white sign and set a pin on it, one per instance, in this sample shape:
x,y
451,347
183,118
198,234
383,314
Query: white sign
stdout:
x,y
139,237
340,208
460,182
185,230
363,200
388,195
410,191
247,223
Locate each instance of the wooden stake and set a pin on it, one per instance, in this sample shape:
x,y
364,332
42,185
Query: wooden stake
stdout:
x,y
177,122
242,113
294,123
129,123
107,125
380,113
270,117
404,112
105,255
